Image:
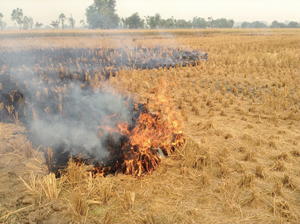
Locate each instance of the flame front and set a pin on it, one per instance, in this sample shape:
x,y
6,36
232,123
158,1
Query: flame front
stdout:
x,y
151,133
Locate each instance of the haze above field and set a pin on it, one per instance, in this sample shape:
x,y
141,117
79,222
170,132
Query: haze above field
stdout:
x,y
245,10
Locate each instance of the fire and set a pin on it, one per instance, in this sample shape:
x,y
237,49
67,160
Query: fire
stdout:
x,y
135,145
150,133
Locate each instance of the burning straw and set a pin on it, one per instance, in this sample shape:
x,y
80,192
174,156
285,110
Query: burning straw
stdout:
x,y
70,112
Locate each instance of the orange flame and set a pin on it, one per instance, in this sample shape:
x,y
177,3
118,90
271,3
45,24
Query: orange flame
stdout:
x,y
162,131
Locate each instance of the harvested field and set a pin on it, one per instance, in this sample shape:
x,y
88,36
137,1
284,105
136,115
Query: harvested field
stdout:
x,y
239,110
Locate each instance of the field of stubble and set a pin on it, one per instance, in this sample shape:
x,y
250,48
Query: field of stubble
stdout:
x,y
241,159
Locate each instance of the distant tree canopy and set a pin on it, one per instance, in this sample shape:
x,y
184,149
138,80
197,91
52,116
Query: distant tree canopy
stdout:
x,y
62,18
27,22
276,24
24,22
17,15
134,21
255,24
72,22
55,24
101,14
38,25
222,23
293,25
156,22
199,22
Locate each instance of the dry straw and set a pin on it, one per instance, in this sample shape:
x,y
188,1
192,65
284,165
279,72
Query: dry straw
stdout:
x,y
240,109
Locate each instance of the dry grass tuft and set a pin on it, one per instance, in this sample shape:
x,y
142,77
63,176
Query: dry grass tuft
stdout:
x,y
260,172
245,180
108,218
204,178
80,205
296,153
284,210
283,156
279,166
27,149
128,200
51,186
289,182
196,110
250,156
75,172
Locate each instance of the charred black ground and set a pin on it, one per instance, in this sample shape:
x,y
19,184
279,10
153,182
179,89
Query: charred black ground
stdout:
x,y
57,159
50,92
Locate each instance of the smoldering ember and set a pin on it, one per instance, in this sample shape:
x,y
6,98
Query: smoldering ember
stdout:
x,y
57,95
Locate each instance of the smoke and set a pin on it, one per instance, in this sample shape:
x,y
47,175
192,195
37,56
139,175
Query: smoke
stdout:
x,y
60,112
77,129
51,92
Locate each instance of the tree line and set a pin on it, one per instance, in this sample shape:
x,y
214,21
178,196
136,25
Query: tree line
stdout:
x,y
274,24
26,22
102,15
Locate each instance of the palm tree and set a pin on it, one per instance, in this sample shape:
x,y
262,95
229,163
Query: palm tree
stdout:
x,y
62,18
1,16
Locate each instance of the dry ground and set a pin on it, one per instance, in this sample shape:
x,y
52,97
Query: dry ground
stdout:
x,y
241,160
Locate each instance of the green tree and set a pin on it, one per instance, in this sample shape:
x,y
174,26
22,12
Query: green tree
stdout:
x,y
134,21
162,23
55,24
154,21
62,18
101,14
72,22
183,24
170,23
17,15
1,25
38,25
276,24
293,24
111,5
245,25
255,24
222,23
27,22
209,21
199,22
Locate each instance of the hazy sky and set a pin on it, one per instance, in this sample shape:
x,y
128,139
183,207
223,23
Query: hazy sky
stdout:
x,y
240,10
